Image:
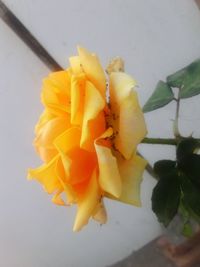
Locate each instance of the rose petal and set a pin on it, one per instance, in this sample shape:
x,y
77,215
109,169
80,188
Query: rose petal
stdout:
x,y
56,92
45,117
63,144
82,165
77,99
46,154
128,122
57,199
75,63
131,172
121,84
93,117
46,175
46,135
87,203
68,139
52,129
78,163
60,80
132,127
100,214
109,177
68,189
93,69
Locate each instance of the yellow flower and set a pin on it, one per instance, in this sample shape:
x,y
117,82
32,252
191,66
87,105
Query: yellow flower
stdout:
x,y
88,144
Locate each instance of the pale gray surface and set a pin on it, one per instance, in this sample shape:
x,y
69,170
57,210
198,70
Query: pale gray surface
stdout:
x,y
155,38
149,256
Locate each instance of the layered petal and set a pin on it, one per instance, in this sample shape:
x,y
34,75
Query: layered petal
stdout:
x,y
47,134
71,194
121,84
77,98
64,144
132,127
56,199
68,140
78,163
93,70
56,92
45,117
93,117
87,203
128,120
109,176
47,176
131,172
60,81
88,142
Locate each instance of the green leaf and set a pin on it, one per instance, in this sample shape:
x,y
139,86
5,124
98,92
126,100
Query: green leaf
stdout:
x,y
187,230
191,195
186,147
166,198
190,165
176,79
164,167
191,213
187,79
161,96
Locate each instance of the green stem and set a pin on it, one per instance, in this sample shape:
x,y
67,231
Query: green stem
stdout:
x,y
160,141
164,141
175,126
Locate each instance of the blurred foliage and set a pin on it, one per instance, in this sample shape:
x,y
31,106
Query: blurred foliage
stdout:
x,y
178,187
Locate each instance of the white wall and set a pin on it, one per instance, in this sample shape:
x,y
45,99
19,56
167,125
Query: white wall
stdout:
x,y
155,38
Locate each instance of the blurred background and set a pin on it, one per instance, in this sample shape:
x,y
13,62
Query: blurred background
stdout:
x,y
155,38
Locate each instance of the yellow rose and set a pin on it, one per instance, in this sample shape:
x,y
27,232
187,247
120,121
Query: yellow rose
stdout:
x,y
88,144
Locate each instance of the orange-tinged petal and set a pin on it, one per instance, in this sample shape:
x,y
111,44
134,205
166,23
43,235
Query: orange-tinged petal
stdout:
x,y
67,188
87,203
44,118
57,199
67,162
93,69
46,154
80,188
64,144
100,214
77,98
78,163
82,166
53,104
131,172
56,92
52,129
83,159
46,175
109,176
46,135
93,117
68,140
128,122
60,80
